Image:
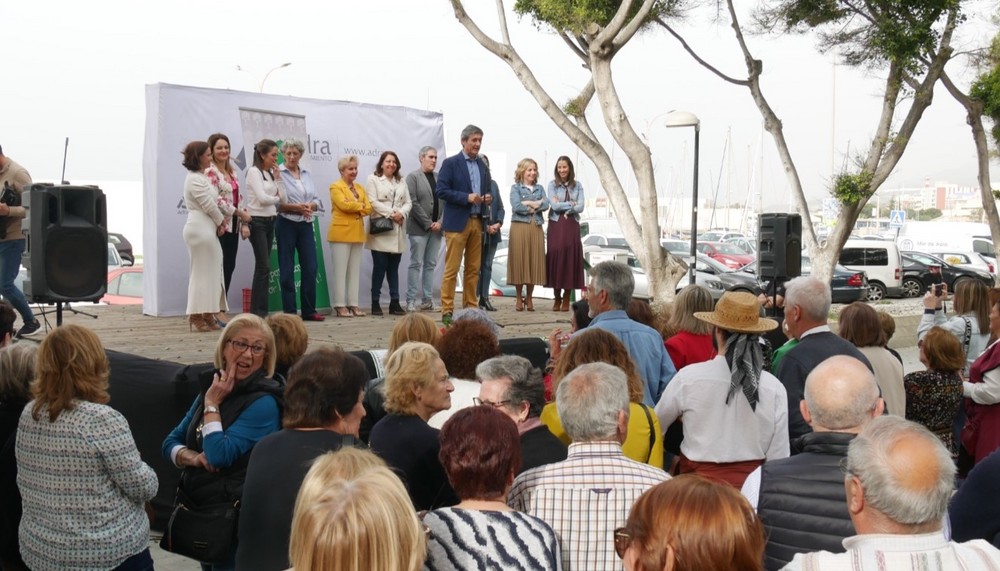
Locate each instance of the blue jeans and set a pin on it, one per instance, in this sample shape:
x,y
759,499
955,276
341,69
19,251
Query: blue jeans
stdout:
x,y
486,271
296,236
10,263
261,238
385,265
424,252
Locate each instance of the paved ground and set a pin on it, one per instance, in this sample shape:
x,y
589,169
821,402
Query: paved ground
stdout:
x,y
124,328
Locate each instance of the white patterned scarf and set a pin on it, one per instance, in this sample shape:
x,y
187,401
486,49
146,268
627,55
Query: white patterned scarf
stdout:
x,y
746,360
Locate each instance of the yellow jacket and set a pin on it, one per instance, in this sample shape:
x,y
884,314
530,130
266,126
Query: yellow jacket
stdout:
x,y
636,444
347,217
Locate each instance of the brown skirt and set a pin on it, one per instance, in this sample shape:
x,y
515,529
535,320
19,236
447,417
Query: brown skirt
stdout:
x,y
526,255
732,473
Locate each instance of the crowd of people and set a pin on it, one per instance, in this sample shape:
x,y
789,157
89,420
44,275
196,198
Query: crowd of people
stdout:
x,y
460,206
457,459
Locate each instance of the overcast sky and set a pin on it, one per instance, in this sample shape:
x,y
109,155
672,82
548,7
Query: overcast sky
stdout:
x,y
78,70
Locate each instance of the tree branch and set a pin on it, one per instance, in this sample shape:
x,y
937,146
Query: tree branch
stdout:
x,y
687,47
574,47
502,17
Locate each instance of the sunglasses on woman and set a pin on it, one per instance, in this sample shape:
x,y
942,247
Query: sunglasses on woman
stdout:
x,y
622,540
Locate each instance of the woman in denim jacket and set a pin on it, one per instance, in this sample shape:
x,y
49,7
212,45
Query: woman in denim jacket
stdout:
x,y
564,256
526,257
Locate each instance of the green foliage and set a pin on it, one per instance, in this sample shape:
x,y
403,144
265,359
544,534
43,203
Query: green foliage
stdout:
x,y
851,189
923,214
986,88
866,33
575,16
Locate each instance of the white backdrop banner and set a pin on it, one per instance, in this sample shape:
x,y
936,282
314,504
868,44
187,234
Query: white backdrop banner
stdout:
x,y
176,115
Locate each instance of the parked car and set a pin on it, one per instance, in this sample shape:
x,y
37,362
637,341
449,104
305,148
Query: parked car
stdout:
x,y
966,260
605,241
734,280
498,280
748,246
718,235
846,286
123,246
677,247
881,262
728,254
921,270
124,286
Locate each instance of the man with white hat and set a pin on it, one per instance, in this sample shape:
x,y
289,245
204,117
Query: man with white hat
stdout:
x,y
735,413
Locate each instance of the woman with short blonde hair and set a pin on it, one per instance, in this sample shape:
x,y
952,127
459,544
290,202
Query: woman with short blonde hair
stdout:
x,y
346,234
526,255
690,339
291,339
417,386
353,514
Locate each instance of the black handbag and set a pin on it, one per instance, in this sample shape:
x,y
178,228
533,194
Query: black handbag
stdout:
x,y
203,533
380,225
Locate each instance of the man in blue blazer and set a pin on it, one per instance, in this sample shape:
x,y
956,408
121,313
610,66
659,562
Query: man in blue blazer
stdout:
x,y
464,186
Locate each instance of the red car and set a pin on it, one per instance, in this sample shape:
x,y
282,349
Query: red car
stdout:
x,y
124,286
729,254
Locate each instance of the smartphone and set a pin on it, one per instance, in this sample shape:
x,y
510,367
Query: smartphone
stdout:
x,y
938,290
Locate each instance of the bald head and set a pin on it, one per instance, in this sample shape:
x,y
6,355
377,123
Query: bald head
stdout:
x,y
905,476
841,395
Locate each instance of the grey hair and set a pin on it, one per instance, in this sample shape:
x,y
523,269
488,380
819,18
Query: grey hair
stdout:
x,y
469,131
293,143
476,314
812,295
424,150
868,458
589,399
841,393
525,381
17,370
615,278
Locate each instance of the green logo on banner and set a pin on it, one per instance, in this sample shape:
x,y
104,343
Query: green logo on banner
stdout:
x,y
274,279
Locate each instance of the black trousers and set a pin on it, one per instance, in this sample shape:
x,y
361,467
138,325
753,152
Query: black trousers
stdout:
x,y
230,242
261,240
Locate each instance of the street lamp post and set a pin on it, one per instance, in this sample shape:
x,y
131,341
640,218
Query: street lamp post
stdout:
x,y
685,119
268,74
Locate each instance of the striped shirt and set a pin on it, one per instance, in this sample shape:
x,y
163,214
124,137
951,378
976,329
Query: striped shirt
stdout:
x,y
463,539
884,552
83,485
584,499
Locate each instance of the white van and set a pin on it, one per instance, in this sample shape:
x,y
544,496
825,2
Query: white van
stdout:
x,y
879,259
944,236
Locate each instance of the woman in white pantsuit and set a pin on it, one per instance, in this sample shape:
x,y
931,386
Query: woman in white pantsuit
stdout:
x,y
205,223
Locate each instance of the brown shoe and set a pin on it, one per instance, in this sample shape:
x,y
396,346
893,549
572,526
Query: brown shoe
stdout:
x,y
557,304
565,304
196,321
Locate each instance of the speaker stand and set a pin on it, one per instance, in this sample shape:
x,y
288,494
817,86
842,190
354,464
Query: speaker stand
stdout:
x,y
59,312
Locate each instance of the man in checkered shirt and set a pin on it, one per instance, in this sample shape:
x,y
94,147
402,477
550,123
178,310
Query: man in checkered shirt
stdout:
x,y
585,497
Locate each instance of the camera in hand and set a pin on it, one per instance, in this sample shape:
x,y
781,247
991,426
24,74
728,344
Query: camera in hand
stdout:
x,y
938,290
10,197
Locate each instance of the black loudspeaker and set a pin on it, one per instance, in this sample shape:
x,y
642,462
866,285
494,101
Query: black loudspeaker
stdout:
x,y
67,243
779,251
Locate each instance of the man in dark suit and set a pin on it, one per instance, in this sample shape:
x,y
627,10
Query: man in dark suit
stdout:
x,y
423,227
807,308
463,184
493,221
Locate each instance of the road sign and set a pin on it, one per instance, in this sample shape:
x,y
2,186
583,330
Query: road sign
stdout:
x,y
897,218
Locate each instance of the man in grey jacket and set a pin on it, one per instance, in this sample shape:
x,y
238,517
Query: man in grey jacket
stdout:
x,y
423,227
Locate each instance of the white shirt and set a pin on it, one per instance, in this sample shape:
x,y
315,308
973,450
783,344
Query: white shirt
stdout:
x,y
718,432
924,552
263,194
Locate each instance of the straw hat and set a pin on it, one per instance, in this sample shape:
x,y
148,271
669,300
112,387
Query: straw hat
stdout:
x,y
739,312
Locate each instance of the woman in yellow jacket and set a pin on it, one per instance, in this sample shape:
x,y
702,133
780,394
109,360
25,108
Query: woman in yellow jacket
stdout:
x,y
644,441
347,236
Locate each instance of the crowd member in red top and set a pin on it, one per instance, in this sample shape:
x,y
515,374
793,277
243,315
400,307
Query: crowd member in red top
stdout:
x,y
691,339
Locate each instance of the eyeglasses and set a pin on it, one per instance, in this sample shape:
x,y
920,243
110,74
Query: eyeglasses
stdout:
x,y
241,347
479,402
622,541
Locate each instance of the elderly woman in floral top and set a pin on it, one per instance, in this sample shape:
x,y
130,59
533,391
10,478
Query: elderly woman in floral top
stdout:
x,y
932,396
